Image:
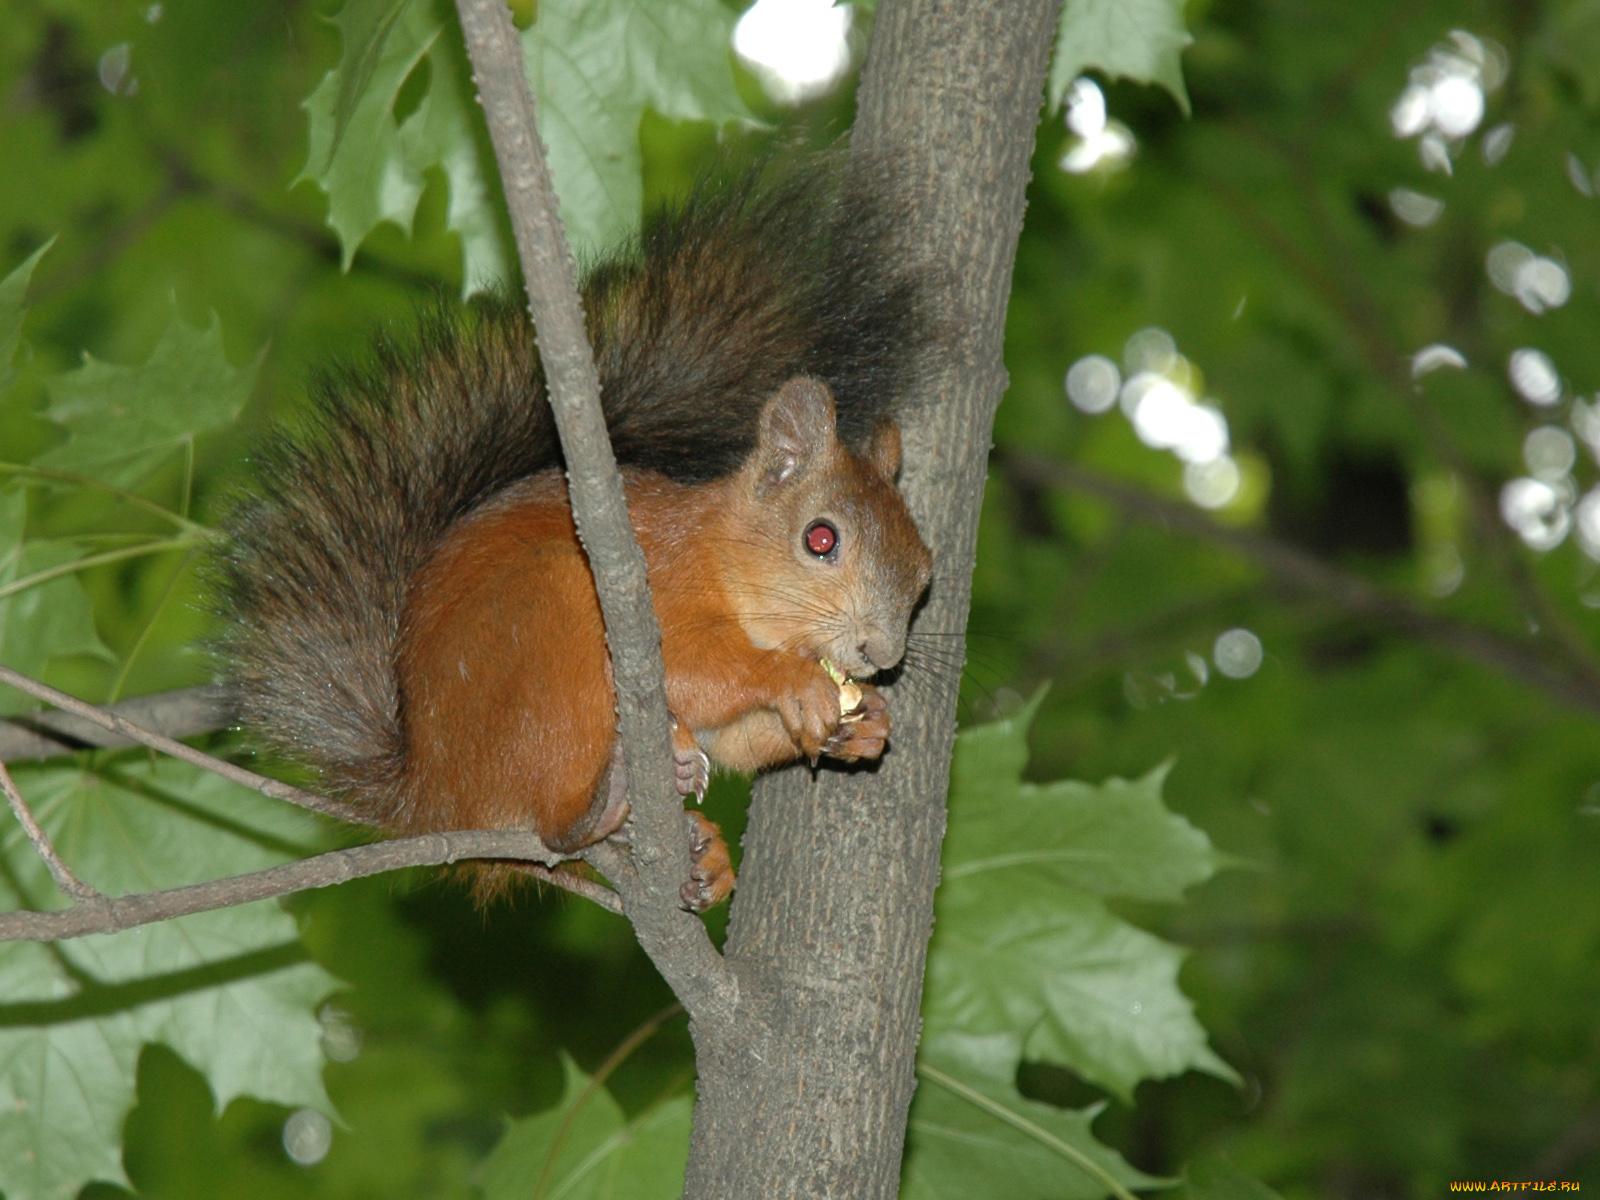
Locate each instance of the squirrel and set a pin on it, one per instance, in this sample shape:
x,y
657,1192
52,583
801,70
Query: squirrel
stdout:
x,y
409,611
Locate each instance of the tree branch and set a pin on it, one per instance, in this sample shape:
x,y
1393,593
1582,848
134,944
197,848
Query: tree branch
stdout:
x,y
829,931
59,871
107,719
1309,573
176,714
675,940
106,914
97,913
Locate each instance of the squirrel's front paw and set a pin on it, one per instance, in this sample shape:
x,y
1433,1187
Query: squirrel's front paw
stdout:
x,y
864,731
711,871
812,715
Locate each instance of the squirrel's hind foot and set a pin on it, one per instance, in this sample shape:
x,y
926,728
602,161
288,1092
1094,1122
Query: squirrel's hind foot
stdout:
x,y
693,771
711,874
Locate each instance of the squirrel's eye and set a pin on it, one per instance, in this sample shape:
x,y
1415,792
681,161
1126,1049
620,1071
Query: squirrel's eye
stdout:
x,y
821,538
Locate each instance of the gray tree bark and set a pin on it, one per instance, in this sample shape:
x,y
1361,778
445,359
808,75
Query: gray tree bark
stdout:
x,y
829,929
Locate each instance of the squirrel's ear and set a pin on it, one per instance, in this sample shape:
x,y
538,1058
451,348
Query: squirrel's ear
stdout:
x,y
797,427
883,450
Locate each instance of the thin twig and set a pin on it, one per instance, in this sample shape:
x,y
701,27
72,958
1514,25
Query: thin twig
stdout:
x,y
106,914
676,942
615,1059
96,560
1311,574
59,871
110,720
133,498
181,713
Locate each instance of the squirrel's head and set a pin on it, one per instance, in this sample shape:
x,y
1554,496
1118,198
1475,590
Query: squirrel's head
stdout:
x,y
823,557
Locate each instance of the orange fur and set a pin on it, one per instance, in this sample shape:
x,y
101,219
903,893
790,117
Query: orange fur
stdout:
x,y
507,700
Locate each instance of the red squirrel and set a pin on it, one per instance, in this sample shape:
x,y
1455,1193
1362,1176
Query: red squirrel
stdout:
x,y
409,609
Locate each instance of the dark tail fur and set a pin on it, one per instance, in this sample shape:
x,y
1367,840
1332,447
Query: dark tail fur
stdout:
x,y
756,279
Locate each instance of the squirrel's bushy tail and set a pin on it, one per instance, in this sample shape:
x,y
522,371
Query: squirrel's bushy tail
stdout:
x,y
757,278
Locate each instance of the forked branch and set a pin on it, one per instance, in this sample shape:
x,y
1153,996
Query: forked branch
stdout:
x,y
275,788
59,871
94,912
107,914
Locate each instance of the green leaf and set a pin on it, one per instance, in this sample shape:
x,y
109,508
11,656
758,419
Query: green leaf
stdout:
x,y
44,622
596,66
360,162
1140,40
125,422
446,132
13,297
1098,995
1117,839
364,29
1222,1181
973,1135
1021,947
230,991
586,1149
372,168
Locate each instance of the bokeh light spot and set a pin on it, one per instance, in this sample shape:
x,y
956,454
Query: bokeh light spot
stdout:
x,y
1534,376
1101,141
1497,143
798,48
1431,358
1578,176
1151,349
1414,208
1237,653
112,69
1586,517
1445,97
1536,510
307,1136
1550,453
1212,484
1093,383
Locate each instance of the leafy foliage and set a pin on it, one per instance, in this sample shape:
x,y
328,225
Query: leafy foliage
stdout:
x,y
587,1148
1024,944
372,162
125,422
41,622
1141,40
973,1134
1222,1181
13,293
1027,961
1405,975
229,991
594,68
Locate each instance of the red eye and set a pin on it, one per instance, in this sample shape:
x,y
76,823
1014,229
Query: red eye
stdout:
x,y
821,538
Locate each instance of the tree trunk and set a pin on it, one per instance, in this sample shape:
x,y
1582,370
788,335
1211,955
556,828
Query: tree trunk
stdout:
x,y
807,1096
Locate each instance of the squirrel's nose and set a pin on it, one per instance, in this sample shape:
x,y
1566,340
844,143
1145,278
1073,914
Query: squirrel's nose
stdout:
x,y
883,651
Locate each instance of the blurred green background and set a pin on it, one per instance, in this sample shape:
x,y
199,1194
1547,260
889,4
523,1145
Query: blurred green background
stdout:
x,y
1406,969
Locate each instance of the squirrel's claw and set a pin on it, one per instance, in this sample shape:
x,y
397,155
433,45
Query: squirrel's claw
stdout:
x,y
711,873
865,733
693,773
811,715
